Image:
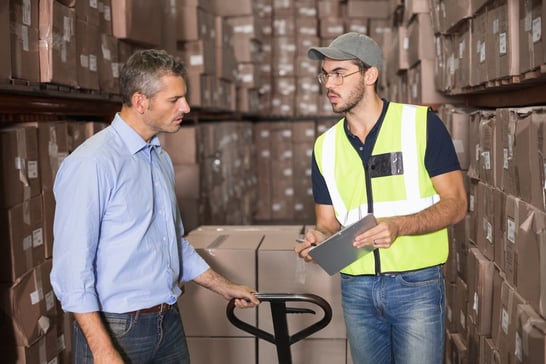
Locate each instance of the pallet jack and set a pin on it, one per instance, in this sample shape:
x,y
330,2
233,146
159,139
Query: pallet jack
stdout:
x,y
279,311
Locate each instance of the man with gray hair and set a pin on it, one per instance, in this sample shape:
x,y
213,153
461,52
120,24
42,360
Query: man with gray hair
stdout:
x,y
397,162
119,252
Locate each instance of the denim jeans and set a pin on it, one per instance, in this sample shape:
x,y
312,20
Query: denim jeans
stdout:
x,y
141,338
395,318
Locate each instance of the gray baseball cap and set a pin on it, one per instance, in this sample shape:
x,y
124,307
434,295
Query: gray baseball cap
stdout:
x,y
350,46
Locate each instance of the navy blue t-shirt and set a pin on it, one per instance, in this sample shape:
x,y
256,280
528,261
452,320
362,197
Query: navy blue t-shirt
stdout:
x,y
440,155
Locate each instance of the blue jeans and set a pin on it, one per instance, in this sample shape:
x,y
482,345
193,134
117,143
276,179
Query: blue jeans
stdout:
x,y
395,318
140,338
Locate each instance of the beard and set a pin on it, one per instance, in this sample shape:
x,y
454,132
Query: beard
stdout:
x,y
353,99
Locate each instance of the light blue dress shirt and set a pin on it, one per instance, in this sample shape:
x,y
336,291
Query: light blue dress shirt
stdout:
x,y
118,235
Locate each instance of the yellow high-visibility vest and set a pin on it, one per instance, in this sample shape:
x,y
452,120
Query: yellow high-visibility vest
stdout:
x,y
400,185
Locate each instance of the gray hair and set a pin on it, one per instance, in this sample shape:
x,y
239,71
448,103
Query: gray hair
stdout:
x,y
143,70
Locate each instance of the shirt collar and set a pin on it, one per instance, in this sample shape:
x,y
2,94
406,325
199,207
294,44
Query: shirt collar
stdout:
x,y
130,137
375,128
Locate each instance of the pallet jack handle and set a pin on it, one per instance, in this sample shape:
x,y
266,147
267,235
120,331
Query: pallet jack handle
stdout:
x,y
282,339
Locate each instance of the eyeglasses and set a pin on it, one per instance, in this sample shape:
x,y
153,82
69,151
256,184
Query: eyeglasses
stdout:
x,y
335,77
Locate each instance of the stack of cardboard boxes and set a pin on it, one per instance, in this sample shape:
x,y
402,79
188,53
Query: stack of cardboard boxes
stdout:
x,y
262,257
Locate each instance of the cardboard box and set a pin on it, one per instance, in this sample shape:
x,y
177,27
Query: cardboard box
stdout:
x,y
22,237
105,16
187,179
487,157
480,291
464,47
460,306
182,145
228,350
57,44
369,8
29,303
48,214
531,29
329,28
195,23
498,279
88,11
45,350
459,349
20,174
109,64
87,53
460,134
316,351
5,38
233,8
502,44
530,336
138,21
24,38
529,153
421,85
454,12
297,276
530,264
52,149
506,121
508,321
233,255
412,8
420,39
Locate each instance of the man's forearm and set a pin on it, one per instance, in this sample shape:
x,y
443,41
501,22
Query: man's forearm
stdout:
x,y
436,217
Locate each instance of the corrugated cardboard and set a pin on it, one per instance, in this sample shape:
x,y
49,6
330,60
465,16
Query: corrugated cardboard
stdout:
x,y
502,46
128,17
5,56
508,321
480,290
532,28
232,254
530,336
30,306
420,39
227,350
24,36
57,43
316,351
87,53
296,276
22,239
20,173
108,64
233,8
182,145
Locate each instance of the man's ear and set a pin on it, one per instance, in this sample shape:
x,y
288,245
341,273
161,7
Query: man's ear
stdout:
x,y
371,76
140,102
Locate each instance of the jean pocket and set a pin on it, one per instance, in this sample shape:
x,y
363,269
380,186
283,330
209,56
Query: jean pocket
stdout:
x,y
118,326
422,277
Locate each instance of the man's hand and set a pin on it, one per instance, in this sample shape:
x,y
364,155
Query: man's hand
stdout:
x,y
312,238
380,236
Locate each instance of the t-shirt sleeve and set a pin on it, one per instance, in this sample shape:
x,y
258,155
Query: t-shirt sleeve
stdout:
x,y
440,155
320,190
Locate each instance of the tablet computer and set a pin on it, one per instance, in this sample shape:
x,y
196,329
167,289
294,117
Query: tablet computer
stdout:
x,y
337,251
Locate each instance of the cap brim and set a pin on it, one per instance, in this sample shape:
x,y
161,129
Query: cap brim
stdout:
x,y
319,53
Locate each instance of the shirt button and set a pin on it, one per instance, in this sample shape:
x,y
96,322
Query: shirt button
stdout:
x,y
164,238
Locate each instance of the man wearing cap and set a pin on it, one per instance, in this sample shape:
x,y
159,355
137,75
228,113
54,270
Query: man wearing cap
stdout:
x,y
397,162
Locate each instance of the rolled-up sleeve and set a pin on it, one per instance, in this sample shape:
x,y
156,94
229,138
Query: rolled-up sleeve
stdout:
x,y
192,263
